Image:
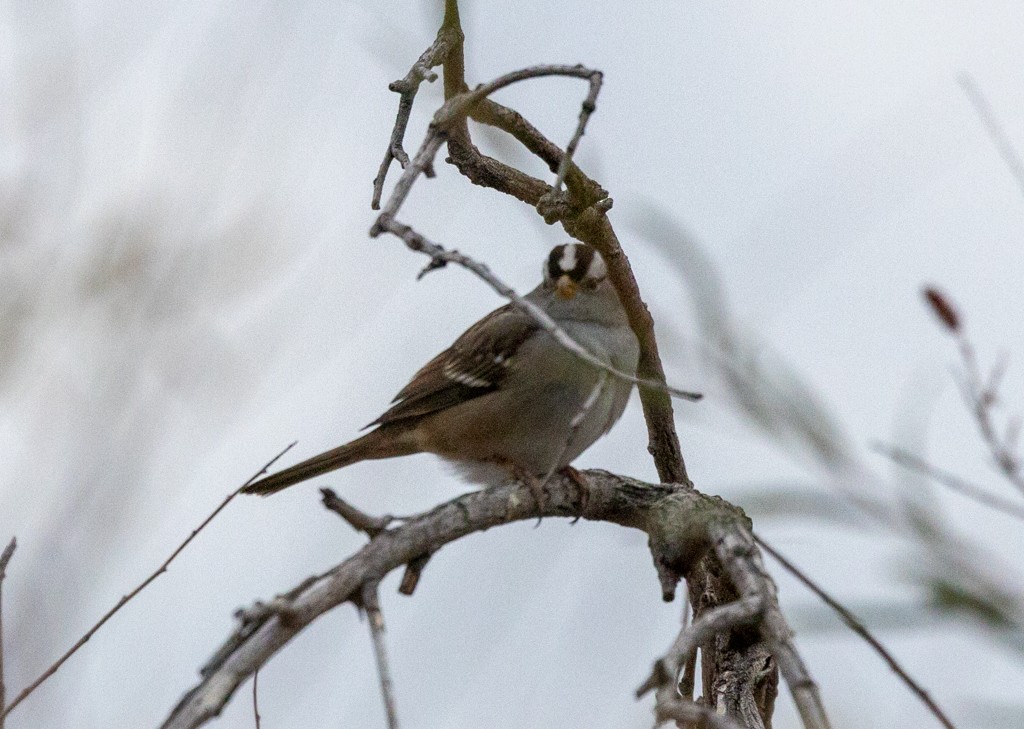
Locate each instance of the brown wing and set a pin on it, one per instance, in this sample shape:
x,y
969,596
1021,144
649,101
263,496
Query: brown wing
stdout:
x,y
473,366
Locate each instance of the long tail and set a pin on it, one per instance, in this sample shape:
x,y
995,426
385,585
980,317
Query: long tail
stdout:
x,y
374,444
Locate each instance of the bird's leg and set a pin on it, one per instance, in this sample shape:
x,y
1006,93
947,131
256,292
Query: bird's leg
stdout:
x,y
582,486
535,484
536,487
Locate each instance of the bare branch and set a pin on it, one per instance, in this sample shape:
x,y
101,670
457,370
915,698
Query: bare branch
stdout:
x,y
582,213
454,112
375,618
5,559
676,518
142,586
859,628
952,481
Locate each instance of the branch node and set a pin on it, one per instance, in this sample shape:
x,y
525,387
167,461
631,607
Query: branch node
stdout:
x,y
399,154
553,206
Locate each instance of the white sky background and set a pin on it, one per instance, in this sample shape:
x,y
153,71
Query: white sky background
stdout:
x,y
187,286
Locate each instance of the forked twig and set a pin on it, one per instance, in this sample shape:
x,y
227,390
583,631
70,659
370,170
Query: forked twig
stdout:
x,y
407,88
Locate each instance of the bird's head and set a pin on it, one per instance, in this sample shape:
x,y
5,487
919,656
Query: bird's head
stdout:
x,y
573,267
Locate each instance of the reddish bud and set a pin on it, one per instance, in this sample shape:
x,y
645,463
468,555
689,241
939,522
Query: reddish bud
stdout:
x,y
942,308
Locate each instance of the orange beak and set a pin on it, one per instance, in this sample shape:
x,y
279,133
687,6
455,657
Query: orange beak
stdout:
x,y
565,287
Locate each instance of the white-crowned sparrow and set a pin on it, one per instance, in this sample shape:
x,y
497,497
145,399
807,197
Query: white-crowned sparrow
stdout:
x,y
501,401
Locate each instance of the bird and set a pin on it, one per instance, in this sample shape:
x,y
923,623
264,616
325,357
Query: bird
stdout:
x,y
506,401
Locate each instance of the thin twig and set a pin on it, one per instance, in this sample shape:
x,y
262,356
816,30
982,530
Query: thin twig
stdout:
x,y
375,618
995,130
685,685
255,697
143,585
980,395
588,108
858,627
5,559
950,480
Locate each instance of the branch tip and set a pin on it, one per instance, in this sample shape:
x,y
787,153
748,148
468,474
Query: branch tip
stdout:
x,y
357,519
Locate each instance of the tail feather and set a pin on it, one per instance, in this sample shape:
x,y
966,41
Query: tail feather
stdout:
x,y
370,446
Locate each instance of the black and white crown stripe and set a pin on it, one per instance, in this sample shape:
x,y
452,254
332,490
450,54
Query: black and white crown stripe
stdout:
x,y
577,260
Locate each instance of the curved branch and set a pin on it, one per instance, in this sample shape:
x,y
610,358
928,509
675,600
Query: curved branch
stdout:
x,y
679,520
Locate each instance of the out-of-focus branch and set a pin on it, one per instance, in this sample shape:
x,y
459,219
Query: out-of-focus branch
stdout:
x,y
980,394
860,629
5,559
139,588
681,523
995,130
950,480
